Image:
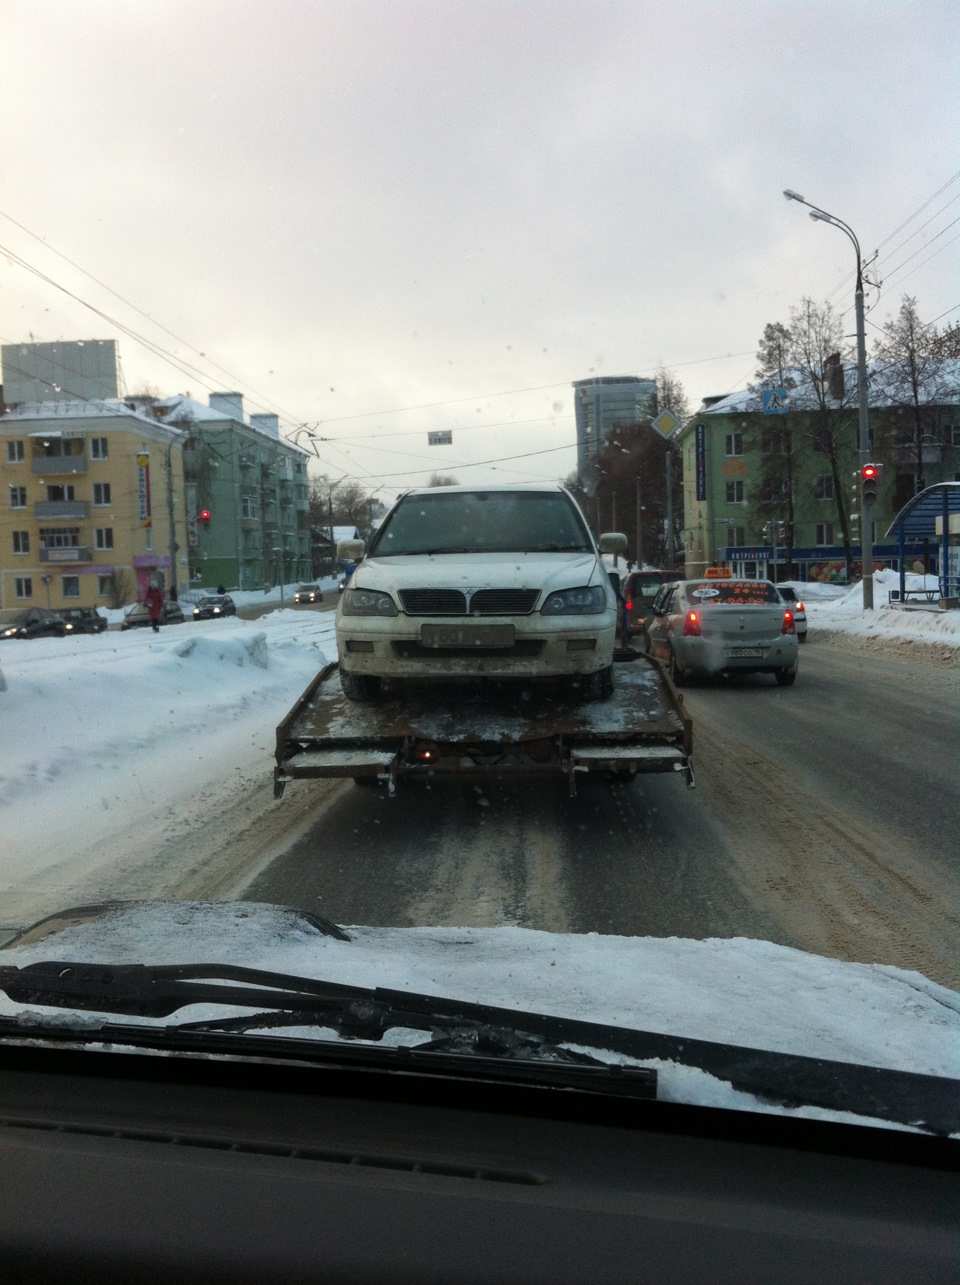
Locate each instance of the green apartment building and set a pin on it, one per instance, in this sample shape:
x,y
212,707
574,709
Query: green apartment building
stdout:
x,y
768,477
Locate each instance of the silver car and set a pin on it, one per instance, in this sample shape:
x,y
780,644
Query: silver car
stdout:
x,y
723,626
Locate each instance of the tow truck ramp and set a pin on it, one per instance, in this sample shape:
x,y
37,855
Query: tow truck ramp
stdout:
x,y
487,728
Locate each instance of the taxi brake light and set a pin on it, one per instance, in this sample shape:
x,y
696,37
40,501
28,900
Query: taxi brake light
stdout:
x,y
691,624
789,627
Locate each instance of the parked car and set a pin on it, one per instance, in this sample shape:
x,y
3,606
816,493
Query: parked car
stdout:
x,y
308,593
464,582
82,620
138,616
793,601
214,605
31,622
723,626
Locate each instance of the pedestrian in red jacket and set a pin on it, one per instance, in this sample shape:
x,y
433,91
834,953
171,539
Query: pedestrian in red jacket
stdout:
x,y
154,601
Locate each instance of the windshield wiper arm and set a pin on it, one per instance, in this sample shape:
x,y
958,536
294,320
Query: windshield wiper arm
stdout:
x,y
357,1012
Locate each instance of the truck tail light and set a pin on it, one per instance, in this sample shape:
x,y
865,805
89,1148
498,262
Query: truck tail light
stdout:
x,y
691,624
789,625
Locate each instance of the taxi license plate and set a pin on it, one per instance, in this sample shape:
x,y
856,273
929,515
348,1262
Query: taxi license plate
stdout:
x,y
744,651
467,635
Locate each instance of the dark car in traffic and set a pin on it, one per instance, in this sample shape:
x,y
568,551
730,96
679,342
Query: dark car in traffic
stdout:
x,y
31,622
213,606
308,593
639,590
138,616
82,620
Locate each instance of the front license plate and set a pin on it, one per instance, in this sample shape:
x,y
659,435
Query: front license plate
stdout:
x,y
467,635
744,651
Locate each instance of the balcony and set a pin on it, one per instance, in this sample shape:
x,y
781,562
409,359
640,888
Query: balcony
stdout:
x,y
50,465
62,509
65,555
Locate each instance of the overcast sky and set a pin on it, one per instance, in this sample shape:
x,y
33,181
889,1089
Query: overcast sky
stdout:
x,y
381,217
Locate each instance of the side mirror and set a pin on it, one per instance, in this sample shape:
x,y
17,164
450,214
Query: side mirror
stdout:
x,y
613,542
350,550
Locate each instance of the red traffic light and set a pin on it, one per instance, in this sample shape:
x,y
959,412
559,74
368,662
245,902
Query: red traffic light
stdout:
x,y
869,472
204,515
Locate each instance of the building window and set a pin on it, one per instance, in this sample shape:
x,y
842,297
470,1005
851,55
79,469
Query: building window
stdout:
x,y
71,586
249,507
823,487
59,537
101,493
14,452
59,494
735,492
774,490
98,448
104,586
824,534
103,537
22,587
771,441
822,440
18,497
733,444
21,541
736,536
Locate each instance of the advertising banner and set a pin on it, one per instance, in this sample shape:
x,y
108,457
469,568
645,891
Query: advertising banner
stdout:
x,y
143,490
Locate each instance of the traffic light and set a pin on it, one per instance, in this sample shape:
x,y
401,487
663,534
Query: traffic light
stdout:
x,y
204,516
870,475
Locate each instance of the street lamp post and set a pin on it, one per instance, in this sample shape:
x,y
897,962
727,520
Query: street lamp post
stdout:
x,y
866,523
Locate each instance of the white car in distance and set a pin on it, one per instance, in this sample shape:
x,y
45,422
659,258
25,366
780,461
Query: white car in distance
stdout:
x,y
463,582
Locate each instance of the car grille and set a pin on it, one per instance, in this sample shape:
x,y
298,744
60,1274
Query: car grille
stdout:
x,y
482,602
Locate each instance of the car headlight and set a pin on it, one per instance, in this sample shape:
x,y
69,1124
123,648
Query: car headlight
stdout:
x,y
367,602
585,601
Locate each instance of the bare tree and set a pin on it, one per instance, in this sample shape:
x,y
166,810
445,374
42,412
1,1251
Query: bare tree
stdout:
x,y
671,394
442,479
120,588
914,377
627,477
779,445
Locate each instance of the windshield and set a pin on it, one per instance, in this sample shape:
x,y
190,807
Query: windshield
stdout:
x,y
461,289
481,522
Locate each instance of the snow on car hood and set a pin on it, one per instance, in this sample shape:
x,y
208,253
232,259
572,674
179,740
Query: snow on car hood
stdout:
x,y
547,571
718,989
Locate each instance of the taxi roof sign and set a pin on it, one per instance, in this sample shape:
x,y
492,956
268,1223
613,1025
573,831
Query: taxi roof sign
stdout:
x,y
718,573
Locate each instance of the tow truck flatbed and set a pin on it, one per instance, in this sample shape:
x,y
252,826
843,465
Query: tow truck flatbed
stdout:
x,y
487,727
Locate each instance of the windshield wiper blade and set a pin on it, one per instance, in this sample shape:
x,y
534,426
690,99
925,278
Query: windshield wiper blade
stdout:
x,y
362,1013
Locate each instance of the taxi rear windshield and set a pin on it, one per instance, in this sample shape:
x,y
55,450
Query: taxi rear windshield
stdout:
x,y
737,592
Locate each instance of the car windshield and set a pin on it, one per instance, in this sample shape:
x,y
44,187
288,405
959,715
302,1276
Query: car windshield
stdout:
x,y
481,522
457,290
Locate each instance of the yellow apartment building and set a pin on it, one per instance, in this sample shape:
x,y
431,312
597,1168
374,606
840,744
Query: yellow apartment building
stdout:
x,y
91,504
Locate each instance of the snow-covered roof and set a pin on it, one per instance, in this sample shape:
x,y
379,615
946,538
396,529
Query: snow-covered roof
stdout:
x,y
941,390
177,410
74,408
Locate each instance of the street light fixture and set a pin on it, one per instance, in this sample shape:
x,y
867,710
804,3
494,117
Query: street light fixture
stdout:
x,y
866,535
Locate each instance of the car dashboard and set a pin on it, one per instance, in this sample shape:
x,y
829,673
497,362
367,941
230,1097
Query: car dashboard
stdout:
x,y
130,1166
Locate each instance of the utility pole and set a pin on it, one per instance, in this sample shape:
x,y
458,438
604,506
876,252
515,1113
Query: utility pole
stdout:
x,y
173,529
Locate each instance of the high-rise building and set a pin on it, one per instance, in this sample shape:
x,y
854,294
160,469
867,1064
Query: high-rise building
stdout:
x,y
606,402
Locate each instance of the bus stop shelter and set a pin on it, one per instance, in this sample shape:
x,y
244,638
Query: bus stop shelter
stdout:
x,y
933,514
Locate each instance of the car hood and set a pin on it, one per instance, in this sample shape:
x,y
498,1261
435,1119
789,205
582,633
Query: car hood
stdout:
x,y
467,571
743,993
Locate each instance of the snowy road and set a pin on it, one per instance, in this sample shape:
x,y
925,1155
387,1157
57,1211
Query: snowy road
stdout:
x,y
782,839
133,766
